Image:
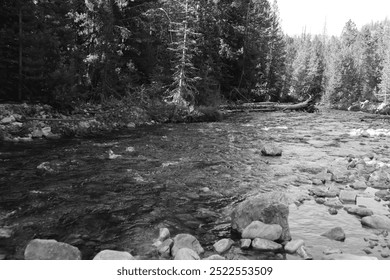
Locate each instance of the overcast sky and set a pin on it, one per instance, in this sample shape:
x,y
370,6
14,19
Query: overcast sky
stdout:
x,y
296,14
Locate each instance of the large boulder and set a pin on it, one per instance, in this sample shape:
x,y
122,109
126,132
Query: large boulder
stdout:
x,y
269,208
42,249
186,241
113,255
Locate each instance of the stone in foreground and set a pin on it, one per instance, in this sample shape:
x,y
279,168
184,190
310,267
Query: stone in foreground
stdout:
x,y
186,241
164,249
348,196
223,245
348,257
258,229
376,221
292,246
186,254
265,245
269,208
113,255
164,234
336,233
43,249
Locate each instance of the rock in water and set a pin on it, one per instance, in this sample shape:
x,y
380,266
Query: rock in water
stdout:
x,y
265,245
348,196
269,208
359,211
292,246
5,232
271,150
336,233
258,229
223,245
348,257
186,241
376,221
186,254
42,249
164,234
113,255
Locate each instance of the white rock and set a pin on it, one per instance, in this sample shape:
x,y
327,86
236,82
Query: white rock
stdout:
x,y
5,232
292,246
186,241
163,234
113,255
265,245
223,245
46,131
164,249
258,229
7,120
130,149
186,254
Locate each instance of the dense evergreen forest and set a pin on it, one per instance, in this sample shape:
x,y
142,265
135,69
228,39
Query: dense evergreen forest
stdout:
x,y
188,52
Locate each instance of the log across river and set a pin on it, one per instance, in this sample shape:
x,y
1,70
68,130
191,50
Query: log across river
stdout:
x,y
115,192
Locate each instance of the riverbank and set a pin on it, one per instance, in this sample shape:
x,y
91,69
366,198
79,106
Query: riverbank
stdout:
x,y
26,122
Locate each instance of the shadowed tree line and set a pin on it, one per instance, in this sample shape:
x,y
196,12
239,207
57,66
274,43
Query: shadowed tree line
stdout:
x,y
188,52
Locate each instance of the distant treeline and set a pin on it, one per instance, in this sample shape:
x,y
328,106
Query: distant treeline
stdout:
x,y
190,52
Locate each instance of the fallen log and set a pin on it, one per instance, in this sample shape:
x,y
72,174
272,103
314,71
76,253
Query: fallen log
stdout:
x,y
307,105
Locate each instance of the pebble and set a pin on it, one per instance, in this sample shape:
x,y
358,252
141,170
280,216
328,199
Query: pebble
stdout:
x,y
359,211
320,200
367,251
385,255
333,211
334,203
245,243
271,150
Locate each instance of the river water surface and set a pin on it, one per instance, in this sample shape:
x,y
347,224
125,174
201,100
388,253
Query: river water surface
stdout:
x,y
186,177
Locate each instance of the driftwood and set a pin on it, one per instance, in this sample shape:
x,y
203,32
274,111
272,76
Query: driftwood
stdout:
x,y
58,120
308,105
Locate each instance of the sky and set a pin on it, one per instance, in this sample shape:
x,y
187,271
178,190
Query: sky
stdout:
x,y
313,14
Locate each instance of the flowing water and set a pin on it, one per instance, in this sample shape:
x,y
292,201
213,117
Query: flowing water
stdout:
x,y
186,177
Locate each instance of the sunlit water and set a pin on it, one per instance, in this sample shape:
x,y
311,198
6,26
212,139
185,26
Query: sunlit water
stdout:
x,y
159,179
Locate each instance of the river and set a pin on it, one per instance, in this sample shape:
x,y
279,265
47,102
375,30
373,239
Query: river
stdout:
x,y
186,177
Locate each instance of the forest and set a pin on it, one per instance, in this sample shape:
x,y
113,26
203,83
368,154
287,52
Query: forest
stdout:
x,y
183,52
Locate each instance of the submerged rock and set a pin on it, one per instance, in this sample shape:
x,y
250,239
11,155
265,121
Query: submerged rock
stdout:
x,y
265,245
271,150
43,249
258,229
5,232
376,221
186,241
113,255
186,254
347,196
359,185
333,203
269,208
336,233
223,245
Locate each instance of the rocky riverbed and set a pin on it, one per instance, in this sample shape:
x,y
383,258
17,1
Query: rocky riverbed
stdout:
x,y
255,186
